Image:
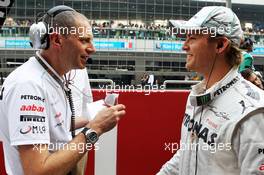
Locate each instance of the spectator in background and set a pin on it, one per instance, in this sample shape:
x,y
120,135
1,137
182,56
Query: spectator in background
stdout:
x,y
144,79
247,58
251,76
151,80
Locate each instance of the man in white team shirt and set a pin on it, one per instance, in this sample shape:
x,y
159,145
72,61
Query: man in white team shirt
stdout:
x,y
222,129
34,109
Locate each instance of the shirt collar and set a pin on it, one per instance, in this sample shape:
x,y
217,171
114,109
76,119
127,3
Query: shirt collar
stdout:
x,y
200,97
50,70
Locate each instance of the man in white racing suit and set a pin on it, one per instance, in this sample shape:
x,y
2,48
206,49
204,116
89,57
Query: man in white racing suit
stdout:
x,y
222,130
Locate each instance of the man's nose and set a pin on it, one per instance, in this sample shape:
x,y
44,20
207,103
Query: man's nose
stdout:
x,y
185,46
91,49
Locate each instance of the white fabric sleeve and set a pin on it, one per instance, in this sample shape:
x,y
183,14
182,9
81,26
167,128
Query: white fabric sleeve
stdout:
x,y
172,166
27,115
248,144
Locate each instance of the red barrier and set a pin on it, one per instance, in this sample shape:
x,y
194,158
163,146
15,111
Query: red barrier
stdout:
x,y
2,161
152,122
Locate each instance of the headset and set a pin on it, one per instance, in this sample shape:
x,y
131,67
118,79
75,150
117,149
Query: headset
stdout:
x,y
39,31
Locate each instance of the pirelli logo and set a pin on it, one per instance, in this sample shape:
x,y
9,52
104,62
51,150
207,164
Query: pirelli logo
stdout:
x,y
32,118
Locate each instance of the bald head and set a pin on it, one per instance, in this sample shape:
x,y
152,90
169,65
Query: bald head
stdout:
x,y
70,22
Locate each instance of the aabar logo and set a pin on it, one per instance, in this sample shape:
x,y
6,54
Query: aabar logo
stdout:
x,y
25,131
32,108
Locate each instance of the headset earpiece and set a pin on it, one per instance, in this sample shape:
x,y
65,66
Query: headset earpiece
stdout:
x,y
38,32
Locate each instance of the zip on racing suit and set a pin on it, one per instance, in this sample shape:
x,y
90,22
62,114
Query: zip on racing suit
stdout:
x,y
222,130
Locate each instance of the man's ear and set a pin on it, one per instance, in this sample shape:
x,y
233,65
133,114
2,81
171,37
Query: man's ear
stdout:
x,y
55,39
222,44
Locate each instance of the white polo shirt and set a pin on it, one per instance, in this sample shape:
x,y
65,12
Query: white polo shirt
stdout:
x,y
33,110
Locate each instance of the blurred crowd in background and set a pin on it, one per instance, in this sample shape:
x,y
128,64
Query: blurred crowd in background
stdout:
x,y
117,29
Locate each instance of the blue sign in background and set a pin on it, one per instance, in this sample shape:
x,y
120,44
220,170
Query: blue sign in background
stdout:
x,y
158,46
110,45
17,44
168,46
98,44
258,51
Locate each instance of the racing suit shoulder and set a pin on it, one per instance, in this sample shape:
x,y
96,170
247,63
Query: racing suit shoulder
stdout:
x,y
248,144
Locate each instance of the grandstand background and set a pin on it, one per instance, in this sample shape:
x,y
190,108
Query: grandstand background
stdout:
x,y
131,36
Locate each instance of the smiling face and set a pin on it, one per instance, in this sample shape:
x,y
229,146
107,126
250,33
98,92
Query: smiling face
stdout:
x,y
200,53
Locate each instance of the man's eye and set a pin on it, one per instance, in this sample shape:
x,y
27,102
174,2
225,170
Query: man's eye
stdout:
x,y
85,41
191,37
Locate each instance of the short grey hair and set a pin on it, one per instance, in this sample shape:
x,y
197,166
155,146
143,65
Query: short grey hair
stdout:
x,y
64,21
